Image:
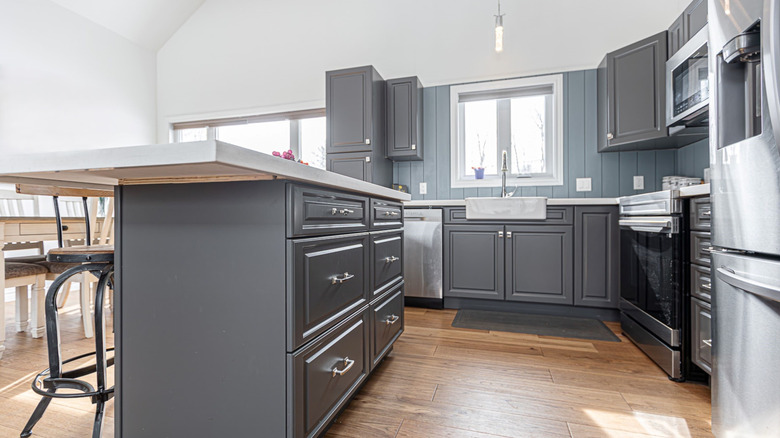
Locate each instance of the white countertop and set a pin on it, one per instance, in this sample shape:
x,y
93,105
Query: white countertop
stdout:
x,y
203,161
697,190
550,201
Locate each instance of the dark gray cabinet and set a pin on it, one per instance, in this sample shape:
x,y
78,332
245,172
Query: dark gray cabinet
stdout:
x,y
404,119
676,36
474,261
539,264
633,94
355,125
701,334
687,25
596,256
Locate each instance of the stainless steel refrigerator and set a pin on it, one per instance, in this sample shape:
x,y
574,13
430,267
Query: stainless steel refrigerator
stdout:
x,y
744,131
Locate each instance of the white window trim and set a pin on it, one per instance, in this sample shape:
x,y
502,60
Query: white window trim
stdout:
x,y
556,81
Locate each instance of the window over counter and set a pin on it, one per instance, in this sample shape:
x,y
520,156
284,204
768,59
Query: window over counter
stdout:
x,y
303,132
523,117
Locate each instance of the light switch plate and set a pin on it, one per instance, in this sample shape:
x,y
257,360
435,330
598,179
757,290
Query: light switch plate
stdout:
x,y
423,188
639,182
584,185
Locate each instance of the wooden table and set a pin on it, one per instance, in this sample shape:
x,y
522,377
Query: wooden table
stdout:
x,y
32,229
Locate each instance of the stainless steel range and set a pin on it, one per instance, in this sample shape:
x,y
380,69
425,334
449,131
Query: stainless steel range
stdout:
x,y
652,284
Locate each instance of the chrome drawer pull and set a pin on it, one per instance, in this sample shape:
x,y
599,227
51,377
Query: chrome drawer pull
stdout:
x,y
337,280
347,366
706,286
344,211
707,342
508,234
392,319
391,259
391,213
707,213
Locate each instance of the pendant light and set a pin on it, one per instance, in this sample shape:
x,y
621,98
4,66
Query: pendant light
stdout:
x,y
499,29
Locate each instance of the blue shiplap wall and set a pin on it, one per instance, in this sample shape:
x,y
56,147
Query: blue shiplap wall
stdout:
x,y
611,173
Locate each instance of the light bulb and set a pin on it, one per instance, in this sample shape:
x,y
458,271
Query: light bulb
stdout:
x,y
499,38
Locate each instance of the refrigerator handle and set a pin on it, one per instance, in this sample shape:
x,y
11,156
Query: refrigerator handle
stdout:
x,y
754,287
770,39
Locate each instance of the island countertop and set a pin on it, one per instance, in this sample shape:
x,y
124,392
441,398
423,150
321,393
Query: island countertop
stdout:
x,y
203,161
550,201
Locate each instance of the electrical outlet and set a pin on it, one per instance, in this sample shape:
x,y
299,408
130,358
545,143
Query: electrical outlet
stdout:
x,y
423,188
583,185
639,182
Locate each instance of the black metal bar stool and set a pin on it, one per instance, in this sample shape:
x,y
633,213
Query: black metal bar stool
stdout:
x,y
99,260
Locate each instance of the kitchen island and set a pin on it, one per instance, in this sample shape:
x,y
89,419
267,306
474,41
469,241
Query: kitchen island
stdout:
x,y
254,295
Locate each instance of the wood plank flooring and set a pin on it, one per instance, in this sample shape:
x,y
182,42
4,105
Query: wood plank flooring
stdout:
x,y
442,381
439,381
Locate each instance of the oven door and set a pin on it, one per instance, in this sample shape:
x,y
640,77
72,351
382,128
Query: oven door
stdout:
x,y
687,83
651,275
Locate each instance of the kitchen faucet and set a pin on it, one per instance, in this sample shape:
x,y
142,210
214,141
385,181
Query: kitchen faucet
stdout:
x,y
504,170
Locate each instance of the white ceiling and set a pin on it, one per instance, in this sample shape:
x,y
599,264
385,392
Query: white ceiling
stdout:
x,y
148,23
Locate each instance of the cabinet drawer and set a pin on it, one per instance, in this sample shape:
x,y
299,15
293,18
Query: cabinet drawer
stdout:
x,y
556,215
701,283
386,260
700,248
701,214
387,323
317,211
327,279
386,214
325,374
701,320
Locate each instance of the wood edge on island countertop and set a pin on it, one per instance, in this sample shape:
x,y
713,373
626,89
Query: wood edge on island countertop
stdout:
x,y
172,163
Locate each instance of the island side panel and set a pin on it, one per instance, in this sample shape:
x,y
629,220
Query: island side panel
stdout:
x,y
202,310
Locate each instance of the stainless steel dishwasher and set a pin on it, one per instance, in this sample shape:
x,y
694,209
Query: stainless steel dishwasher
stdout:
x,y
423,257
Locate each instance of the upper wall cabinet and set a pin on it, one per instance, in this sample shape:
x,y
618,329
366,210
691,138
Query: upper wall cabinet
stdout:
x,y
404,119
687,25
354,108
632,99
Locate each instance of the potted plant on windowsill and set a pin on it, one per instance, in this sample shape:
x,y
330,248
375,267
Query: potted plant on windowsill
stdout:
x,y
479,171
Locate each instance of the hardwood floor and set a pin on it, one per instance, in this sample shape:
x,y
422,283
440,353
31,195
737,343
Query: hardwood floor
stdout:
x,y
442,381
439,381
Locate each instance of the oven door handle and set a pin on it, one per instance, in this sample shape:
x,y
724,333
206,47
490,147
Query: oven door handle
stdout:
x,y
646,225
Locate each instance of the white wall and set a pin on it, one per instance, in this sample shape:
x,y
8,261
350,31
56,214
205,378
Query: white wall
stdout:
x,y
68,83
241,56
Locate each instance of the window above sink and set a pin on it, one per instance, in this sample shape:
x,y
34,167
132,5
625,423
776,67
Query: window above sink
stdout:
x,y
523,117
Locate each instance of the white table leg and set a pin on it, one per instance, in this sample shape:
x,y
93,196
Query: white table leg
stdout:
x,y
22,310
38,296
2,289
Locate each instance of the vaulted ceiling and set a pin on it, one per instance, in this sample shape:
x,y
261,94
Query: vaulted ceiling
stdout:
x,y
148,23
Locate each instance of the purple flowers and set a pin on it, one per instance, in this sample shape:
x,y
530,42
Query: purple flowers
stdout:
x,y
287,155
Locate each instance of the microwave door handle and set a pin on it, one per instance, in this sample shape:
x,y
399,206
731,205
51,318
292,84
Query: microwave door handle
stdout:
x,y
754,287
770,39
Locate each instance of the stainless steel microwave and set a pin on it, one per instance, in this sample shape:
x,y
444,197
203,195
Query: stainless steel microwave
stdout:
x,y
687,83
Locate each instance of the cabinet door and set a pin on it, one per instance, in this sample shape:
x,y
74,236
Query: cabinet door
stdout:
x,y
635,85
474,261
676,36
694,18
596,257
348,110
701,334
356,165
404,124
539,264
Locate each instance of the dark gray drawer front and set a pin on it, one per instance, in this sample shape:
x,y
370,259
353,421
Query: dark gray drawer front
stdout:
x,y
320,212
700,248
386,214
701,283
324,375
387,251
328,278
387,323
556,215
701,332
701,214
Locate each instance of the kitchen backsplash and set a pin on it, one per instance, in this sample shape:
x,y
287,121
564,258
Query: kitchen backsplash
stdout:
x,y
611,173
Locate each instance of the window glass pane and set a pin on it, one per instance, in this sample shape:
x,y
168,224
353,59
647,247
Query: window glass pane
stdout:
x,y
479,136
528,135
264,137
312,138
191,134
